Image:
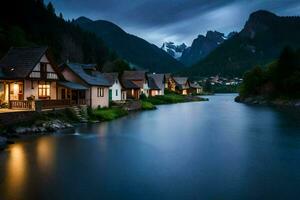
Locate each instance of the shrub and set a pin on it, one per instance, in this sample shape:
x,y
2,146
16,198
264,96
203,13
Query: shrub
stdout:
x,y
107,114
147,105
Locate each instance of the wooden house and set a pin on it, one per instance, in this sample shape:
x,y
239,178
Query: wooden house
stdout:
x,y
116,91
156,84
195,88
181,85
28,75
135,79
97,92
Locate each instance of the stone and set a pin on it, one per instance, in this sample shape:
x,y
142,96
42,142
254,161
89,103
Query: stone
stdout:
x,y
3,142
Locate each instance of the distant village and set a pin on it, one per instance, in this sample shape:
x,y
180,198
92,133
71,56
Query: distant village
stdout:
x,y
221,81
30,80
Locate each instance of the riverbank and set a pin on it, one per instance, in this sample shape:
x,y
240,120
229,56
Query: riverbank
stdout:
x,y
261,100
51,121
173,98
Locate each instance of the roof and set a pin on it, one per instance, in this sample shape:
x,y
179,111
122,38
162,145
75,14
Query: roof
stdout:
x,y
127,84
195,85
158,79
111,77
152,85
168,75
181,82
99,80
72,85
89,66
19,62
134,75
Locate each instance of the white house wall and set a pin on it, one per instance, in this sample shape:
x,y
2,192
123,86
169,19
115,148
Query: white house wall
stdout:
x,y
116,87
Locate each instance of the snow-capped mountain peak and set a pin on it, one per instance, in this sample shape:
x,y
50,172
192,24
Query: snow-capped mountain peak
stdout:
x,y
174,50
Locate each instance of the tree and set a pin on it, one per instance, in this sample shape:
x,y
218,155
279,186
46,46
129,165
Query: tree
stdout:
x,y
50,8
253,80
61,16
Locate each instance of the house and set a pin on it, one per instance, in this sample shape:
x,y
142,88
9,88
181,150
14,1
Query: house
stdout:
x,y
28,74
195,88
167,78
97,92
132,90
181,85
170,83
156,84
136,78
116,92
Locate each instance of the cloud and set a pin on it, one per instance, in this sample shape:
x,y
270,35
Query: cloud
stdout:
x,y
173,20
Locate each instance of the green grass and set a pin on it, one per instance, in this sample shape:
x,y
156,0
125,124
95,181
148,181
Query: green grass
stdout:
x,y
167,99
146,105
107,114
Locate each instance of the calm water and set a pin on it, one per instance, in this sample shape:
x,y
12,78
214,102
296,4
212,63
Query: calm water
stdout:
x,y
205,150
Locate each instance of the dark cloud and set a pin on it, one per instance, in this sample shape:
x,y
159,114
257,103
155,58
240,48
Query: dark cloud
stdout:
x,y
175,20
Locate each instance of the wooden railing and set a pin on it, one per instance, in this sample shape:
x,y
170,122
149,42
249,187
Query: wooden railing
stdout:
x,y
21,105
49,104
44,104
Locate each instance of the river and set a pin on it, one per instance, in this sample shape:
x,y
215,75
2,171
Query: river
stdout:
x,y
202,150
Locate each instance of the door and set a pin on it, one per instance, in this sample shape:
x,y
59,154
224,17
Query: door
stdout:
x,y
74,96
110,95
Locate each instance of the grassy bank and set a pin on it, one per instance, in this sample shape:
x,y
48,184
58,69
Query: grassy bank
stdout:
x,y
107,114
171,97
146,105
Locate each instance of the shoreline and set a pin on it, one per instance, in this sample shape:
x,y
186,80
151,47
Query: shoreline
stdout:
x,y
51,126
261,100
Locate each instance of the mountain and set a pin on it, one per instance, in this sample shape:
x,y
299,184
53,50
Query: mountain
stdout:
x,y
174,50
258,43
33,23
132,48
201,47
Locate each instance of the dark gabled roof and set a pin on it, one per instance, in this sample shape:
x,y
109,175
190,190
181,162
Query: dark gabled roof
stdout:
x,y
134,75
195,85
152,85
111,77
19,62
77,69
72,85
89,66
158,79
127,84
167,76
181,82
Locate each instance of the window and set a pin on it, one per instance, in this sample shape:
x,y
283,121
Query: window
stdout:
x,y
117,92
44,90
100,92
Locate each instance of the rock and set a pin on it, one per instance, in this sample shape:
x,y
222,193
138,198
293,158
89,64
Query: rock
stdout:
x,y
3,142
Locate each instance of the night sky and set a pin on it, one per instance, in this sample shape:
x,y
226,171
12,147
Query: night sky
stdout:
x,y
173,20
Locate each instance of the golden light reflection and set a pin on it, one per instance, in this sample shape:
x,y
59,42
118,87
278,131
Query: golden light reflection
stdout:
x,y
45,154
16,169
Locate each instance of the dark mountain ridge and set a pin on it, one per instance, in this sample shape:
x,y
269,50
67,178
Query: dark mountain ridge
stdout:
x,y
201,47
131,48
258,43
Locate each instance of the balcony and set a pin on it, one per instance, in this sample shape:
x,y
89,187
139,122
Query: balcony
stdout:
x,y
39,105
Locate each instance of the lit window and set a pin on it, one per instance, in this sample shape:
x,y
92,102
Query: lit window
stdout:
x,y
100,92
44,90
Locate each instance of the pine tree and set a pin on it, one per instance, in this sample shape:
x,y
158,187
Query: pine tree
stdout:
x,y
50,8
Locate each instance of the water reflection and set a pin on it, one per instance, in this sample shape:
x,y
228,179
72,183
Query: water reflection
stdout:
x,y
16,169
201,150
45,154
